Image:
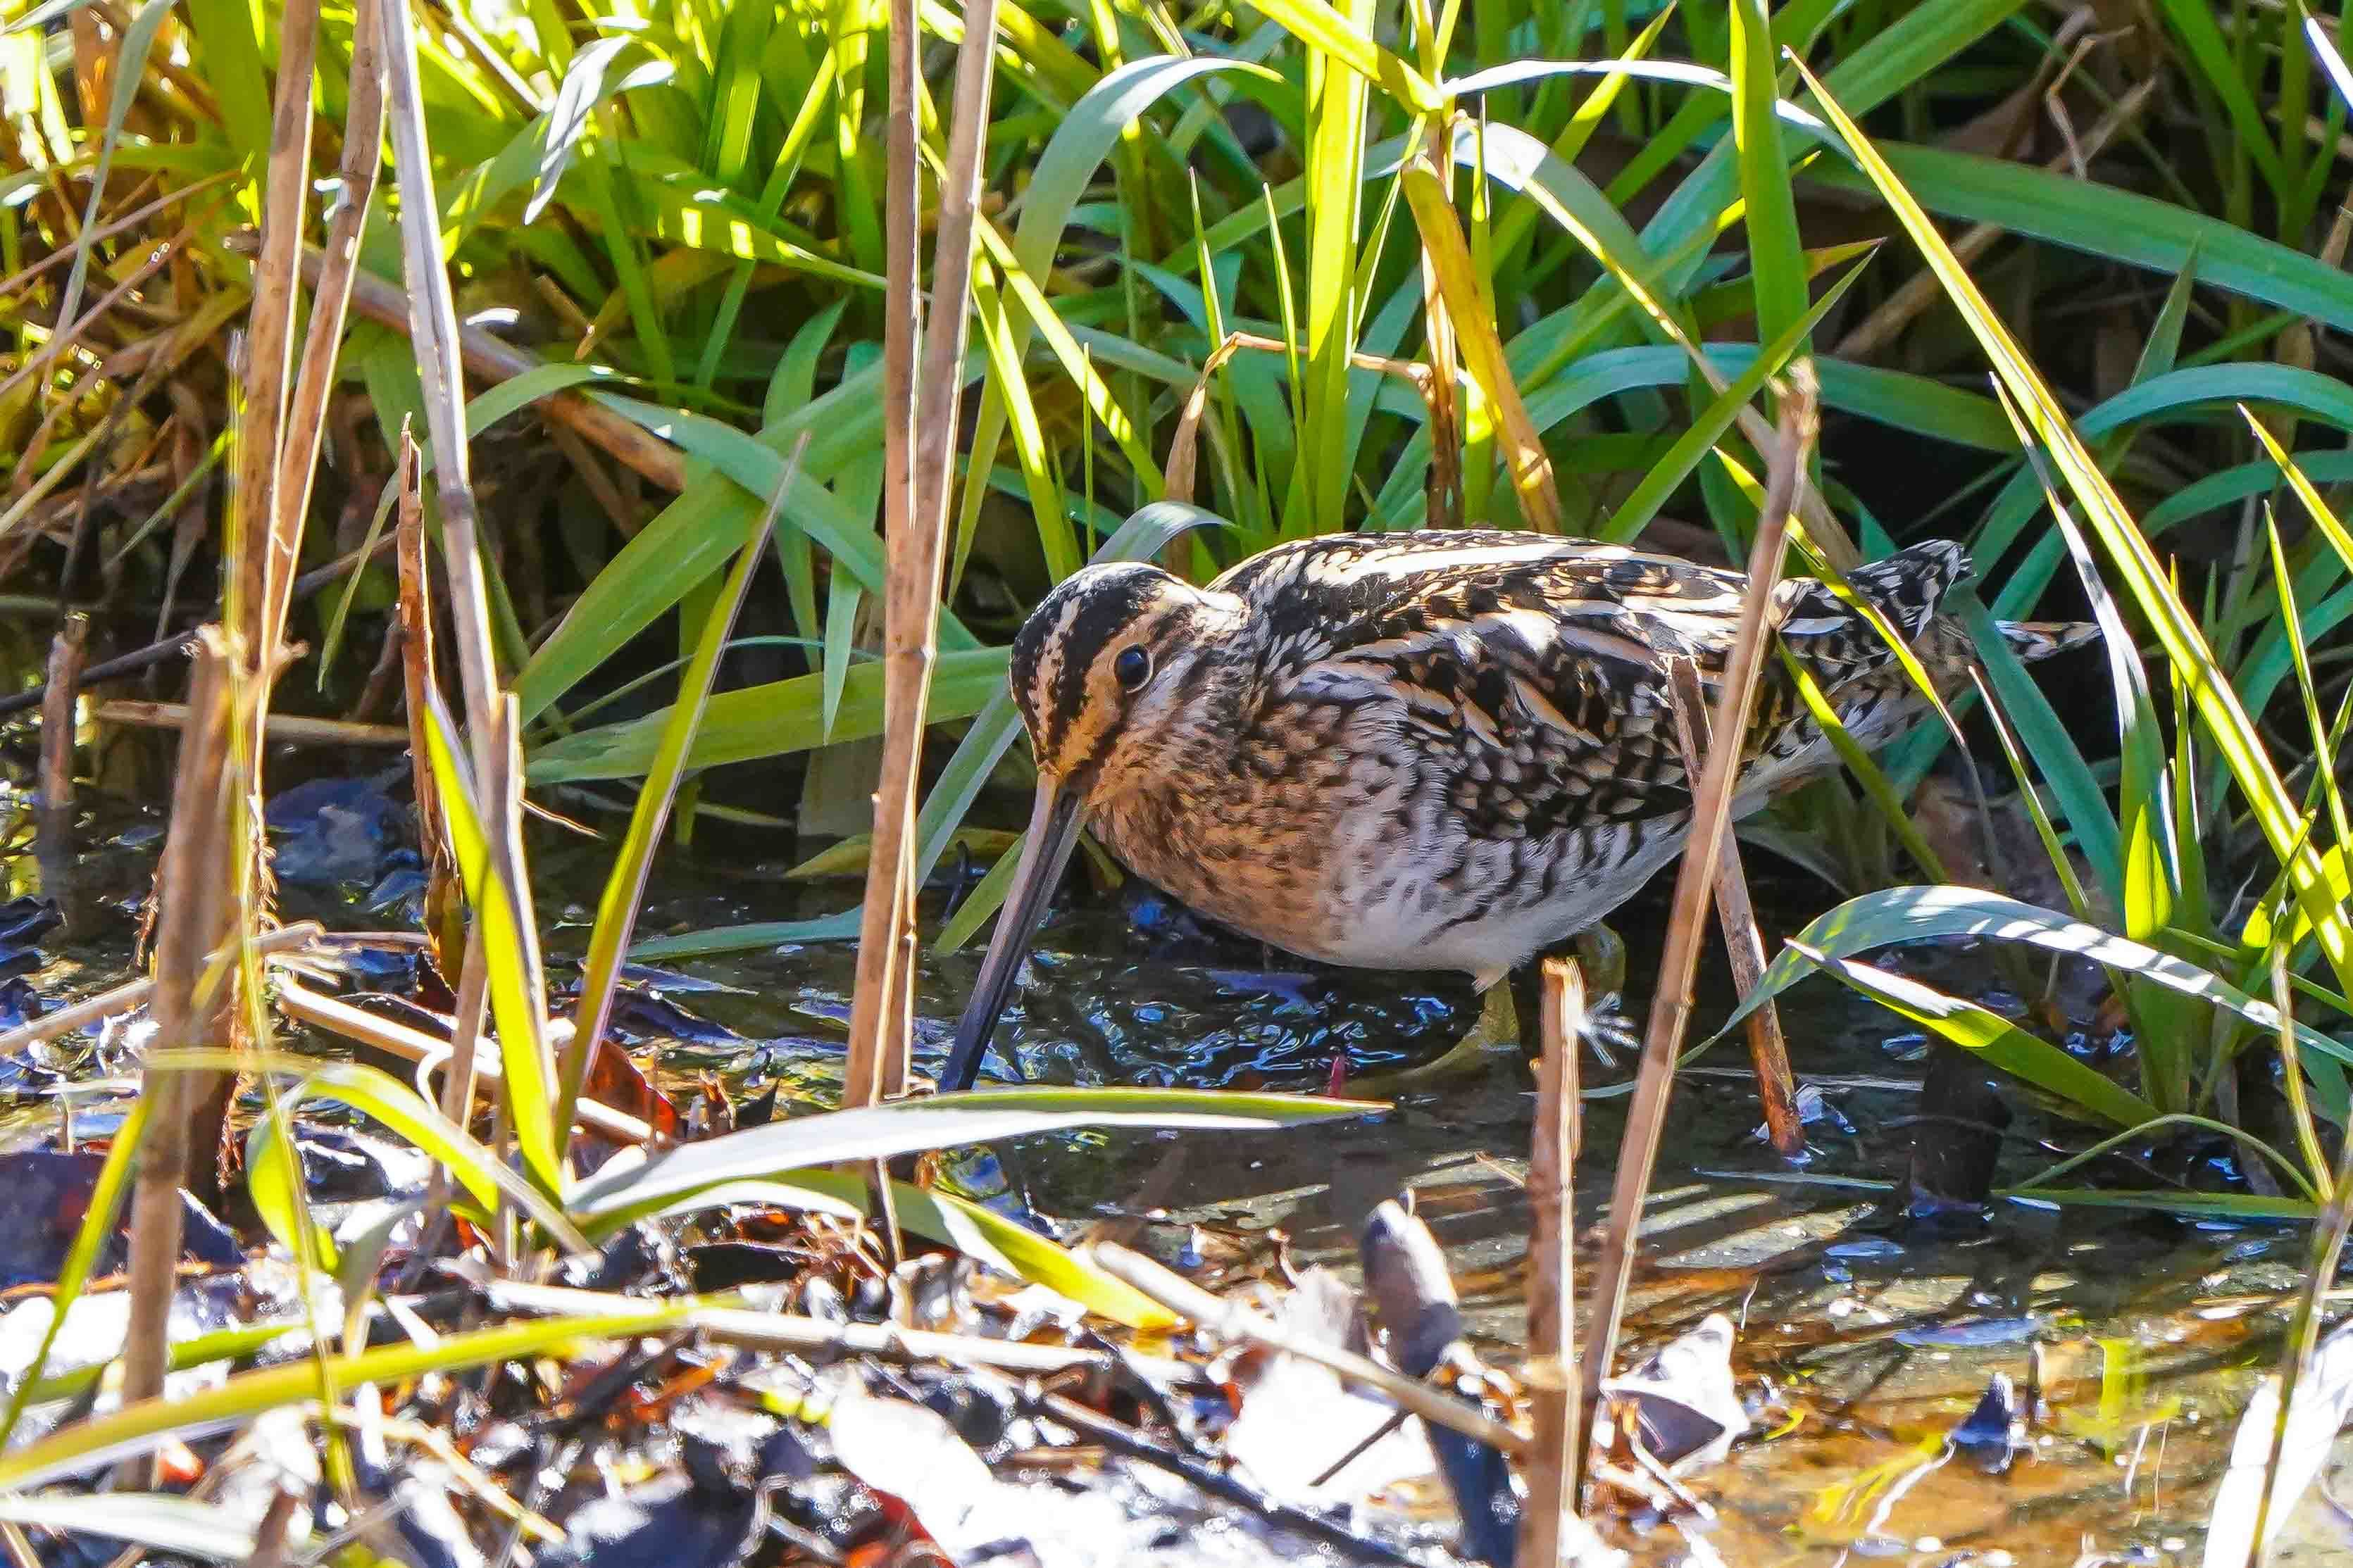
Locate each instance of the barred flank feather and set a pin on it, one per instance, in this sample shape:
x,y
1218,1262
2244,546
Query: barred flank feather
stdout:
x,y
2031,641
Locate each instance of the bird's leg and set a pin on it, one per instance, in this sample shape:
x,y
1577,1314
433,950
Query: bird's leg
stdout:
x,y
1601,953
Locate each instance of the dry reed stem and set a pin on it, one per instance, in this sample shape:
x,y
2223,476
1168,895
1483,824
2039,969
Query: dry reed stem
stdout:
x,y
1637,1153
916,473
285,729
493,721
306,420
1776,1087
1551,1470
1236,1322
67,650
269,531
491,360
194,885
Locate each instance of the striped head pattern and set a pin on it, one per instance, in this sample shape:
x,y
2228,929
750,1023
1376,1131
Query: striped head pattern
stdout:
x,y
1109,669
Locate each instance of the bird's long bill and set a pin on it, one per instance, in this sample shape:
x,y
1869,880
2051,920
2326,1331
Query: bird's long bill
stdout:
x,y
1053,834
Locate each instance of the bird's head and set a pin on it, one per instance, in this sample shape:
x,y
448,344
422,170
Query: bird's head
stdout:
x,y
1107,672
1110,673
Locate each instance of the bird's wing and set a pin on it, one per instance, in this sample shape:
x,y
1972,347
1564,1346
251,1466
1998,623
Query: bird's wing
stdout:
x,y
1528,677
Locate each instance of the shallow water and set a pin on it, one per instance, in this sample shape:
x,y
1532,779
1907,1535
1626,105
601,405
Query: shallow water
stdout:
x,y
1862,1342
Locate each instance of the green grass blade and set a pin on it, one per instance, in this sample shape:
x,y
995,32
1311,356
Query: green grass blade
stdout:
x,y
504,939
942,1121
1992,1038
1775,256
617,910
1895,915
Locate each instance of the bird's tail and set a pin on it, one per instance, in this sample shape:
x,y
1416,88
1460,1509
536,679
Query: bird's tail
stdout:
x,y
2031,641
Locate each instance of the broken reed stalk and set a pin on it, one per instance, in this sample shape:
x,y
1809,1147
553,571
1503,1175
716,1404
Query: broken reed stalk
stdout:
x,y
1638,1151
67,650
493,721
192,882
1236,1322
1551,1471
917,466
1776,1087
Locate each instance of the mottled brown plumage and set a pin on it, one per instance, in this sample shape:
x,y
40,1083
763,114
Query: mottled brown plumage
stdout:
x,y
1433,750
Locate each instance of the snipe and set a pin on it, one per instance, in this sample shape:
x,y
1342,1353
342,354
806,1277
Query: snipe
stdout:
x,y
1441,750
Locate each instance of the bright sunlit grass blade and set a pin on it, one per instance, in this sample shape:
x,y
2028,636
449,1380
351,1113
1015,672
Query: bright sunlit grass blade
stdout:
x,y
1338,92
505,941
1898,915
1344,38
1473,312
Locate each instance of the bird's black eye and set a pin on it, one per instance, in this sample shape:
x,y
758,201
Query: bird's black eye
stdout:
x,y
1133,668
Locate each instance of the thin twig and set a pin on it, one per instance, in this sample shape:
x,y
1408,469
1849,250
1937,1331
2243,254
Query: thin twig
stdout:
x,y
1687,921
16,281
115,668
1105,1433
132,993
1236,1322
